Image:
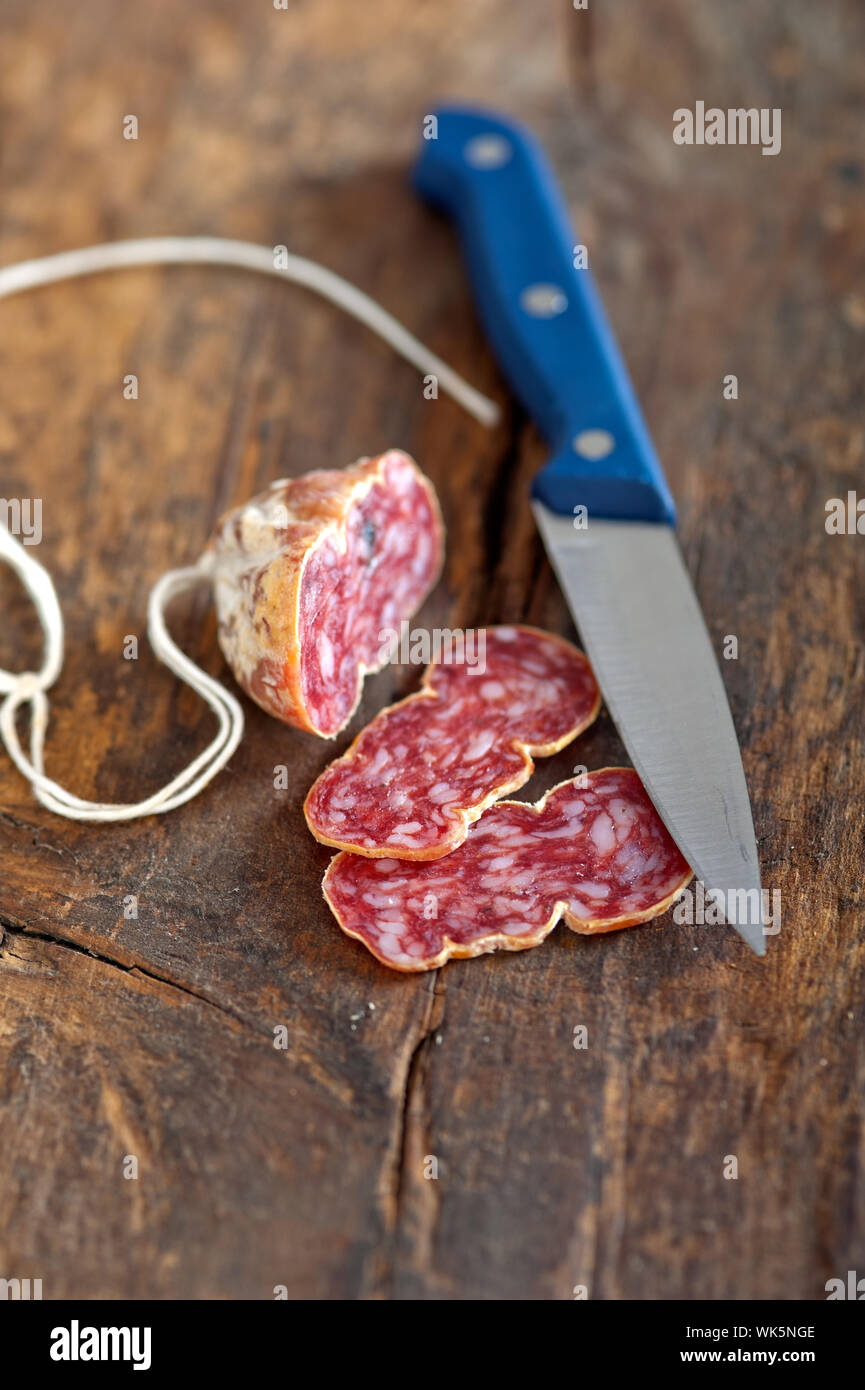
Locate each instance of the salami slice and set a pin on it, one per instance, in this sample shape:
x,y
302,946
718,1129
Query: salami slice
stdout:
x,y
424,769
593,851
308,574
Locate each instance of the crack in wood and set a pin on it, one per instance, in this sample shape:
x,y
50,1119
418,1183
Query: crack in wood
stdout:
x,y
409,1137
133,969
416,1086
37,832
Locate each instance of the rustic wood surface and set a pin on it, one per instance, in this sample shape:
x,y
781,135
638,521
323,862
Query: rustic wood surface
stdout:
x,y
154,1037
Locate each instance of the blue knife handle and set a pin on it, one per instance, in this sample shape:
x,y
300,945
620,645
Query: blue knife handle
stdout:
x,y
543,316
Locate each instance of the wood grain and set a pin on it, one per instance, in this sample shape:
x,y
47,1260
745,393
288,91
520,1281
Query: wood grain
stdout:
x,y
154,1036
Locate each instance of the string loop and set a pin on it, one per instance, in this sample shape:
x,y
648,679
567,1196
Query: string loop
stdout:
x,y
28,688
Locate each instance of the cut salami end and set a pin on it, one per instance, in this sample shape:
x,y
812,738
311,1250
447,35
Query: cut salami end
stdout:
x,y
593,851
308,574
416,778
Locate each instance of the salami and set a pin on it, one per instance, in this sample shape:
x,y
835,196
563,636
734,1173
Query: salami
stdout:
x,y
308,574
593,851
424,769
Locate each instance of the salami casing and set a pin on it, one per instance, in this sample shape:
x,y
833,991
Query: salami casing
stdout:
x,y
308,574
416,778
593,851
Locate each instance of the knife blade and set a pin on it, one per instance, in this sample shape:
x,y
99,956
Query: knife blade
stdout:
x,y
602,504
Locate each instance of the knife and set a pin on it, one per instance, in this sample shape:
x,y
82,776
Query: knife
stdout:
x,y
618,560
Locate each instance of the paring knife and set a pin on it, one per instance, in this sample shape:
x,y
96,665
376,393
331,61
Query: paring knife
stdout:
x,y
622,571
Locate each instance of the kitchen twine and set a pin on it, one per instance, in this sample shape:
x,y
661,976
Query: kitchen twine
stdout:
x,y
29,687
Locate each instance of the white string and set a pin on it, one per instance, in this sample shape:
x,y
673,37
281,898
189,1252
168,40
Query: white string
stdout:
x,y
29,687
245,255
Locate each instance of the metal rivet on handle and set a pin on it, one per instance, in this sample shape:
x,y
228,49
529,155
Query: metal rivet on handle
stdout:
x,y
543,301
488,151
594,444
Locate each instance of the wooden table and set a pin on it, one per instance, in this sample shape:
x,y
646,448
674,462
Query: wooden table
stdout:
x,y
153,1035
